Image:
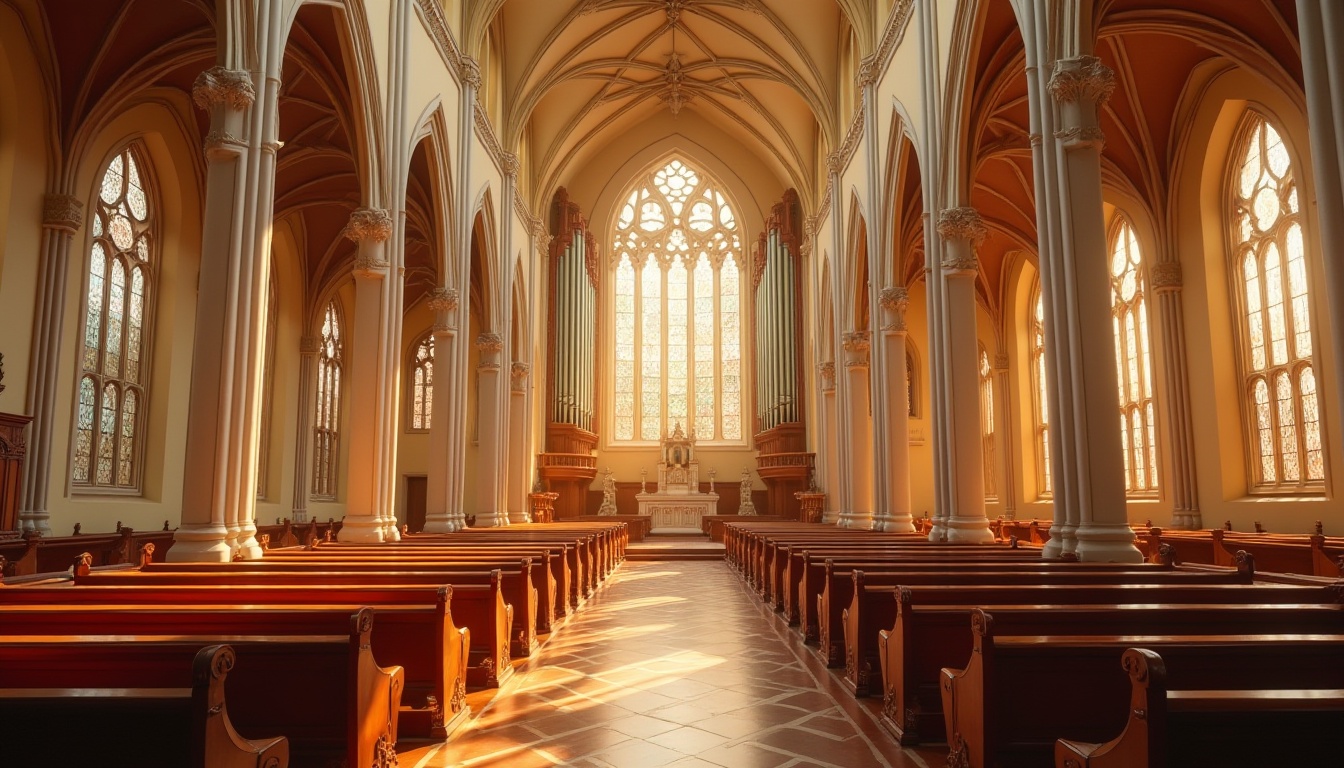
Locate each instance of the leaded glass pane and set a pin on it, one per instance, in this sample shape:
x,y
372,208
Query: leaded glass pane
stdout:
x,y
1283,395
107,433
116,312
1039,401
126,445
88,403
1265,429
93,318
134,325
1311,424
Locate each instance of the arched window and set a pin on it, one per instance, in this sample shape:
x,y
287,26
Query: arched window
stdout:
x,y
987,421
326,427
1134,362
677,309
114,368
1039,402
421,378
1269,271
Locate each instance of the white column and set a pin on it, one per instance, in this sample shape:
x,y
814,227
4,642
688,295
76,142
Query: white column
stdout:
x,y
895,515
224,334
1179,484
518,432
830,442
962,232
369,229
1090,452
1003,409
62,216
488,512
859,512
309,346
443,512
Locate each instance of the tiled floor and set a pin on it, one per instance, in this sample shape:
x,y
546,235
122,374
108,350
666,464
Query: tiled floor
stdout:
x,y
671,664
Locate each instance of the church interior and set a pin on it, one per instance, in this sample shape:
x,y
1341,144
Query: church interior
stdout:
x,y
672,382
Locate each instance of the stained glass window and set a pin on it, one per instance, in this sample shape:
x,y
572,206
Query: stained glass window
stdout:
x,y
422,383
113,373
677,297
1039,401
1129,313
1270,280
987,421
326,427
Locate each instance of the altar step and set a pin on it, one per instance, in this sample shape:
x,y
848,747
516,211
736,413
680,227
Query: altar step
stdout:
x,y
674,546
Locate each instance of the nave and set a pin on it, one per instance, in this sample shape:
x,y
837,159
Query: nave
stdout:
x,y
672,663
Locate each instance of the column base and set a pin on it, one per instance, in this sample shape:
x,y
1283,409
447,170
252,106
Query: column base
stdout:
x,y
390,531
518,517
491,520
450,523
299,516
200,544
859,521
969,530
39,521
1107,543
939,530
362,530
888,523
1061,541
1186,520
830,517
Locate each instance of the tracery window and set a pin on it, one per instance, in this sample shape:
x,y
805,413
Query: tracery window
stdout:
x,y
677,300
1129,313
987,421
422,382
1039,401
326,427
114,370
1270,282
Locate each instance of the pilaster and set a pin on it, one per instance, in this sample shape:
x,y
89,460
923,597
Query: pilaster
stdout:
x,y
309,346
1179,484
859,512
488,370
443,509
830,429
895,515
519,423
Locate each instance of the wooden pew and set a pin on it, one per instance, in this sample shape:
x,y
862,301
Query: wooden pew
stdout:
x,y
932,630
1018,694
333,702
477,601
178,717
33,553
580,554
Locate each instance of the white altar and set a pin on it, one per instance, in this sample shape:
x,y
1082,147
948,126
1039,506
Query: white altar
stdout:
x,y
678,502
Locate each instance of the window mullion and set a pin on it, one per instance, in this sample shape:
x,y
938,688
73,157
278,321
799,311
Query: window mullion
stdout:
x,y
664,322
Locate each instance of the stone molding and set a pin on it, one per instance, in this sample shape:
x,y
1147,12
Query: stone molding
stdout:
x,y
894,301
63,212
310,345
1082,79
1001,361
469,72
509,163
372,224
518,373
219,86
1166,276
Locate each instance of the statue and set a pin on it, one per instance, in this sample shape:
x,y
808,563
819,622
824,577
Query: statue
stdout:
x,y
608,494
745,507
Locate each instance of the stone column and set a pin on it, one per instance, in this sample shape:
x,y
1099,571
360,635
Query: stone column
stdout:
x,y
1090,453
443,511
488,513
962,232
519,423
369,229
859,512
830,443
1179,484
1003,410
62,216
225,336
895,516
309,346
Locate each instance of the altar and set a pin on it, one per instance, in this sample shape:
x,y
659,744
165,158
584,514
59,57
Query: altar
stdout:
x,y
678,502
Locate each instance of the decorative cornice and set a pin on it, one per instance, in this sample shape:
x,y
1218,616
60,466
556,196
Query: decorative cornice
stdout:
x,y
468,72
310,345
218,86
1082,79
432,13
1166,276
518,373
534,223
486,132
894,301
962,224
543,245
837,161
898,20
443,300
63,212
372,224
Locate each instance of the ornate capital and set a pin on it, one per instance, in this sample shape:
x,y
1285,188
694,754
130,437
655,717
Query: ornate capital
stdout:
x,y
372,224
868,71
835,163
1001,361
544,245
1083,134
367,266
1084,79
894,301
310,345
216,141
469,72
962,224
218,86
508,162
490,343
518,376
857,344
443,300
1166,276
827,371
64,212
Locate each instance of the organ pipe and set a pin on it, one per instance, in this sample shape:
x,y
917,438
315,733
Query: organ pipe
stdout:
x,y
574,318
777,353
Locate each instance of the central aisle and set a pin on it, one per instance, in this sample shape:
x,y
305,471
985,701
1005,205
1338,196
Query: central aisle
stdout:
x,y
672,663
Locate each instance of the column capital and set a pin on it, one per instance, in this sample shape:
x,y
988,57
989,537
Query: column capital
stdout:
x,y
962,223
1082,79
868,71
509,163
374,224
443,299
827,372
1001,361
835,163
310,345
894,301
544,245
1166,276
63,212
518,373
469,72
857,345
490,344
218,86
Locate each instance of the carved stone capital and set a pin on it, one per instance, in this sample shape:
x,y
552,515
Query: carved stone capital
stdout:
x,y
544,245
827,371
443,300
63,212
518,373
218,86
868,71
1083,79
367,266
218,141
962,224
310,345
1001,361
857,345
469,72
835,163
1166,276
1083,134
490,343
373,224
966,262
509,163
894,301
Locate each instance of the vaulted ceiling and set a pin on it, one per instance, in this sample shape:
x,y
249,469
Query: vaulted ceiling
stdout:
x,y
579,74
